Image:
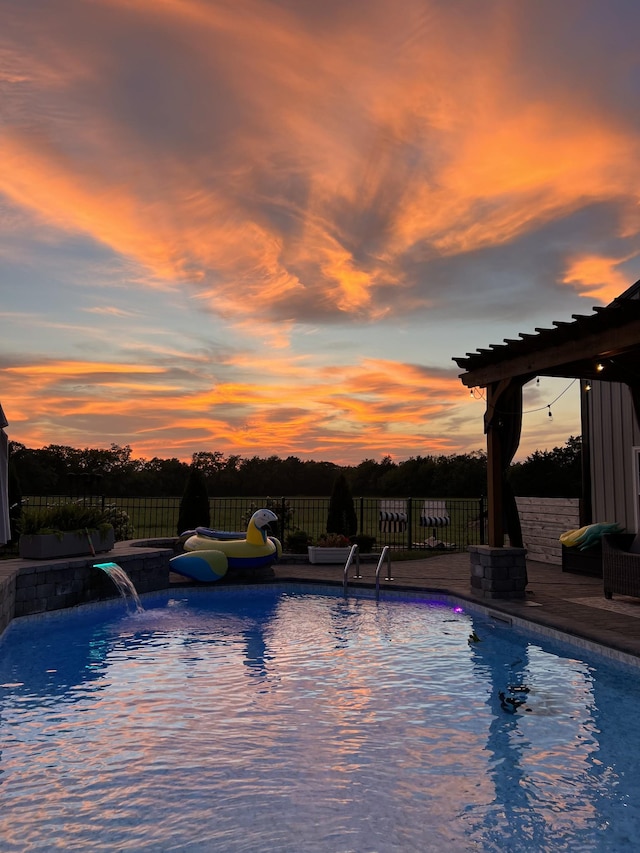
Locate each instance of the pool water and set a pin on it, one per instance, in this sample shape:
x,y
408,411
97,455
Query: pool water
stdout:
x,y
276,719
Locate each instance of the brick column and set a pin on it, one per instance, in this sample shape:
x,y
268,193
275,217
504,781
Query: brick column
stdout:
x,y
498,572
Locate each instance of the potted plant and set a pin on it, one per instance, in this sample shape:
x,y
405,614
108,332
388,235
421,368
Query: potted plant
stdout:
x,y
64,530
330,548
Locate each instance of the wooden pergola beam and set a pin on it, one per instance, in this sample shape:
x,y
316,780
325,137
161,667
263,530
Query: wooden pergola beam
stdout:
x,y
554,360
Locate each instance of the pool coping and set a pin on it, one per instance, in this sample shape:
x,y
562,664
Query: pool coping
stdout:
x,y
555,600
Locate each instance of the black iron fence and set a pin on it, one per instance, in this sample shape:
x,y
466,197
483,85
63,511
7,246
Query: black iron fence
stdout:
x,y
402,523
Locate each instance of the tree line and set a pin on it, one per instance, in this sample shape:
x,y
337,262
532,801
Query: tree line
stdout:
x,y
61,470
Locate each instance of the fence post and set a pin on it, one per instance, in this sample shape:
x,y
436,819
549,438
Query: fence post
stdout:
x,y
361,521
283,509
409,523
482,520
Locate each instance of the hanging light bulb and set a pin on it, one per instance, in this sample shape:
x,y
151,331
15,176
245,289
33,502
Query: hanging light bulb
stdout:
x,y
599,367
550,413
587,386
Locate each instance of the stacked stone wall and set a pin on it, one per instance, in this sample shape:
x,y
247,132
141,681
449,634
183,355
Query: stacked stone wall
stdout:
x,y
36,586
498,572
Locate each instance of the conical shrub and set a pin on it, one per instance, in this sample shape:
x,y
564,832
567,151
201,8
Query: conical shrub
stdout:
x,y
194,505
341,517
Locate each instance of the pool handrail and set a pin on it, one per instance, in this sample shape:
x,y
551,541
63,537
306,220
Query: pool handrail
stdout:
x,y
354,553
386,553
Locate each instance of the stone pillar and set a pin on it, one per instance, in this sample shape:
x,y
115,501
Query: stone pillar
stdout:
x,y
498,572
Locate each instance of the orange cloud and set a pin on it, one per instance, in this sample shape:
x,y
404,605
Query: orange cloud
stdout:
x,y
316,412
309,201
597,277
344,413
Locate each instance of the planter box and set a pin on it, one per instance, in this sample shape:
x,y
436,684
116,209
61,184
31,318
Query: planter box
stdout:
x,y
328,555
48,546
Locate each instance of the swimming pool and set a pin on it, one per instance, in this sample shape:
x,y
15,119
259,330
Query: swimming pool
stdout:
x,y
277,719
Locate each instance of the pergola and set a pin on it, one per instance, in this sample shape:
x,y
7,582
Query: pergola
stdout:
x,y
604,346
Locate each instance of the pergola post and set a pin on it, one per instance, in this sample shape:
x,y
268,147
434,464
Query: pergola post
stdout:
x,y
495,476
503,425
496,571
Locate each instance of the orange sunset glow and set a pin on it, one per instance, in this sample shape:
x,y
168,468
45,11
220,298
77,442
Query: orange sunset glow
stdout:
x,y
266,227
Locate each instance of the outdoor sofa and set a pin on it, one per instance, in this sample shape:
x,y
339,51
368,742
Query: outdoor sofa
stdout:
x,y
621,564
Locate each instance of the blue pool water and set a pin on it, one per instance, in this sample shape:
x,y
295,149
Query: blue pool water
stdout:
x,y
271,719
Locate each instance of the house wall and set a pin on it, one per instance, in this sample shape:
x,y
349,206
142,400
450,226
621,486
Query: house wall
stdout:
x,y
542,521
613,432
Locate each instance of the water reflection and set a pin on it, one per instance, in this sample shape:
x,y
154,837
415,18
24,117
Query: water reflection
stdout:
x,y
546,752
37,668
360,724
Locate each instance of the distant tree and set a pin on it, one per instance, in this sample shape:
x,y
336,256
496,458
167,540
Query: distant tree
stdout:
x,y
341,517
366,477
194,507
553,473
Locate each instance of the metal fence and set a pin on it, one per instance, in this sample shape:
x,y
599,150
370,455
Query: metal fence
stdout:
x,y
401,527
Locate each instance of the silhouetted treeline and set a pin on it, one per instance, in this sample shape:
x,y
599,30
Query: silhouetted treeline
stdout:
x,y
60,470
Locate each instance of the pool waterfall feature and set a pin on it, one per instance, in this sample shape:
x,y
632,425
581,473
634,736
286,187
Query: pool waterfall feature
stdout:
x,y
122,583
28,587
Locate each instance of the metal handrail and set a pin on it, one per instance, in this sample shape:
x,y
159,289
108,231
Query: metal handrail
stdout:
x,y
386,552
353,553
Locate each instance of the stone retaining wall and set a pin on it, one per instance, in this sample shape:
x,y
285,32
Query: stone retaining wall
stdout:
x,y
37,586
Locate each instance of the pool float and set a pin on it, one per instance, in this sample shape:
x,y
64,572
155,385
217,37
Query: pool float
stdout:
x,y
212,534
208,559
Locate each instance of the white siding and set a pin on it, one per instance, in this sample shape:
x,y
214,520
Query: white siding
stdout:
x,y
613,432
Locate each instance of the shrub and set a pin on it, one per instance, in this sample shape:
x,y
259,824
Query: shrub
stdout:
x,y
364,542
119,519
281,508
298,541
341,517
194,506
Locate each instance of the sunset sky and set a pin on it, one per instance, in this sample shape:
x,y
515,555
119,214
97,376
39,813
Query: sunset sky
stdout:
x,y
267,226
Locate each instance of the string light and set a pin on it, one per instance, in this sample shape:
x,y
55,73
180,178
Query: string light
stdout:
x,y
481,396
599,367
587,386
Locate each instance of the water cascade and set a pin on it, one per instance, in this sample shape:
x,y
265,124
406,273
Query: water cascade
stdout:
x,y
122,582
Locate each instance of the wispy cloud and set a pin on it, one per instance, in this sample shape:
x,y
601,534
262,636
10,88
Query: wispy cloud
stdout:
x,y
292,178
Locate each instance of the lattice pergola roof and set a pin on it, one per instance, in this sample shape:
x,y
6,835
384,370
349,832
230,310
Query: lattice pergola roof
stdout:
x,y
604,345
